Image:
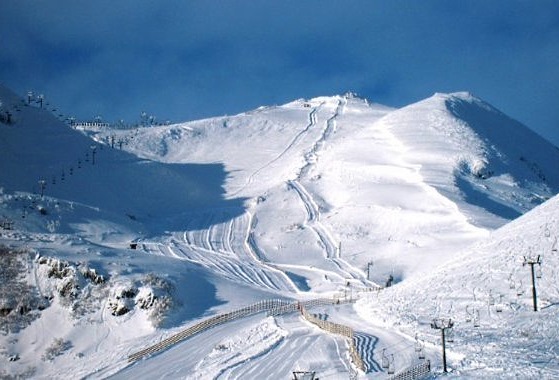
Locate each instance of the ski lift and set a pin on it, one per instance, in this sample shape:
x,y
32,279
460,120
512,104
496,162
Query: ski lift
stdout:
x,y
391,366
419,348
385,362
476,318
417,344
519,289
539,272
499,306
512,284
491,299
469,314
450,336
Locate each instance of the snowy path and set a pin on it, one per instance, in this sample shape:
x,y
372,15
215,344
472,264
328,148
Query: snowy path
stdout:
x,y
183,359
253,347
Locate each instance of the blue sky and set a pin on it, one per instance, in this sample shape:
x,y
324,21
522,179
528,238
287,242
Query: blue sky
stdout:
x,y
185,60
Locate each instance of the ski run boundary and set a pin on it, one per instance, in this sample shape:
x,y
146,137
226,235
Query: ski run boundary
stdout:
x,y
273,307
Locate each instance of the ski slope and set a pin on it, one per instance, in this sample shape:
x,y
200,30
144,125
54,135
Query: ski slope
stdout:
x,y
327,198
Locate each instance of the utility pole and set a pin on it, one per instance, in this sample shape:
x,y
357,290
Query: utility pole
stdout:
x,y
369,266
531,261
442,324
93,151
42,185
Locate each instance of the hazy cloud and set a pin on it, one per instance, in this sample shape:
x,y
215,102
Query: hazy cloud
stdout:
x,y
184,60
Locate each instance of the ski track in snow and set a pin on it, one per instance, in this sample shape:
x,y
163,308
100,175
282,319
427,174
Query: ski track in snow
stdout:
x,y
253,371
313,210
230,248
229,251
298,136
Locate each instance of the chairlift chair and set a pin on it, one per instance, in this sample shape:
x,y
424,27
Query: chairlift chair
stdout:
x,y
476,318
385,363
450,336
469,314
391,366
519,289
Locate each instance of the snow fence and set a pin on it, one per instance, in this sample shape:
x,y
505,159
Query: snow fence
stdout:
x,y
335,328
419,371
272,307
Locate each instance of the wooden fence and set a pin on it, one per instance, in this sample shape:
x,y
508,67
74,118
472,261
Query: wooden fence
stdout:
x,y
335,328
272,307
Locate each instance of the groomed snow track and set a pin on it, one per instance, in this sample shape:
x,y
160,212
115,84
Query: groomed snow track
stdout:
x,y
228,250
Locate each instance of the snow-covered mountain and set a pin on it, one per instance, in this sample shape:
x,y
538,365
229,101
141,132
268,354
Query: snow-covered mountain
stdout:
x,y
312,199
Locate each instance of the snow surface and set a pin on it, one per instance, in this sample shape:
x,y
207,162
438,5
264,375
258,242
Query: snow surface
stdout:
x,y
312,199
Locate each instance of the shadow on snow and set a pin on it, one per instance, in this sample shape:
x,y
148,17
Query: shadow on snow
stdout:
x,y
366,344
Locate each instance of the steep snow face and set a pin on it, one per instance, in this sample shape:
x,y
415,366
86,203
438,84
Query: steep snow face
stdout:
x,y
487,291
476,156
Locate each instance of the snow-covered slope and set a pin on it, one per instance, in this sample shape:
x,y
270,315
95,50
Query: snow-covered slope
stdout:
x,y
424,178
311,199
488,285
477,156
